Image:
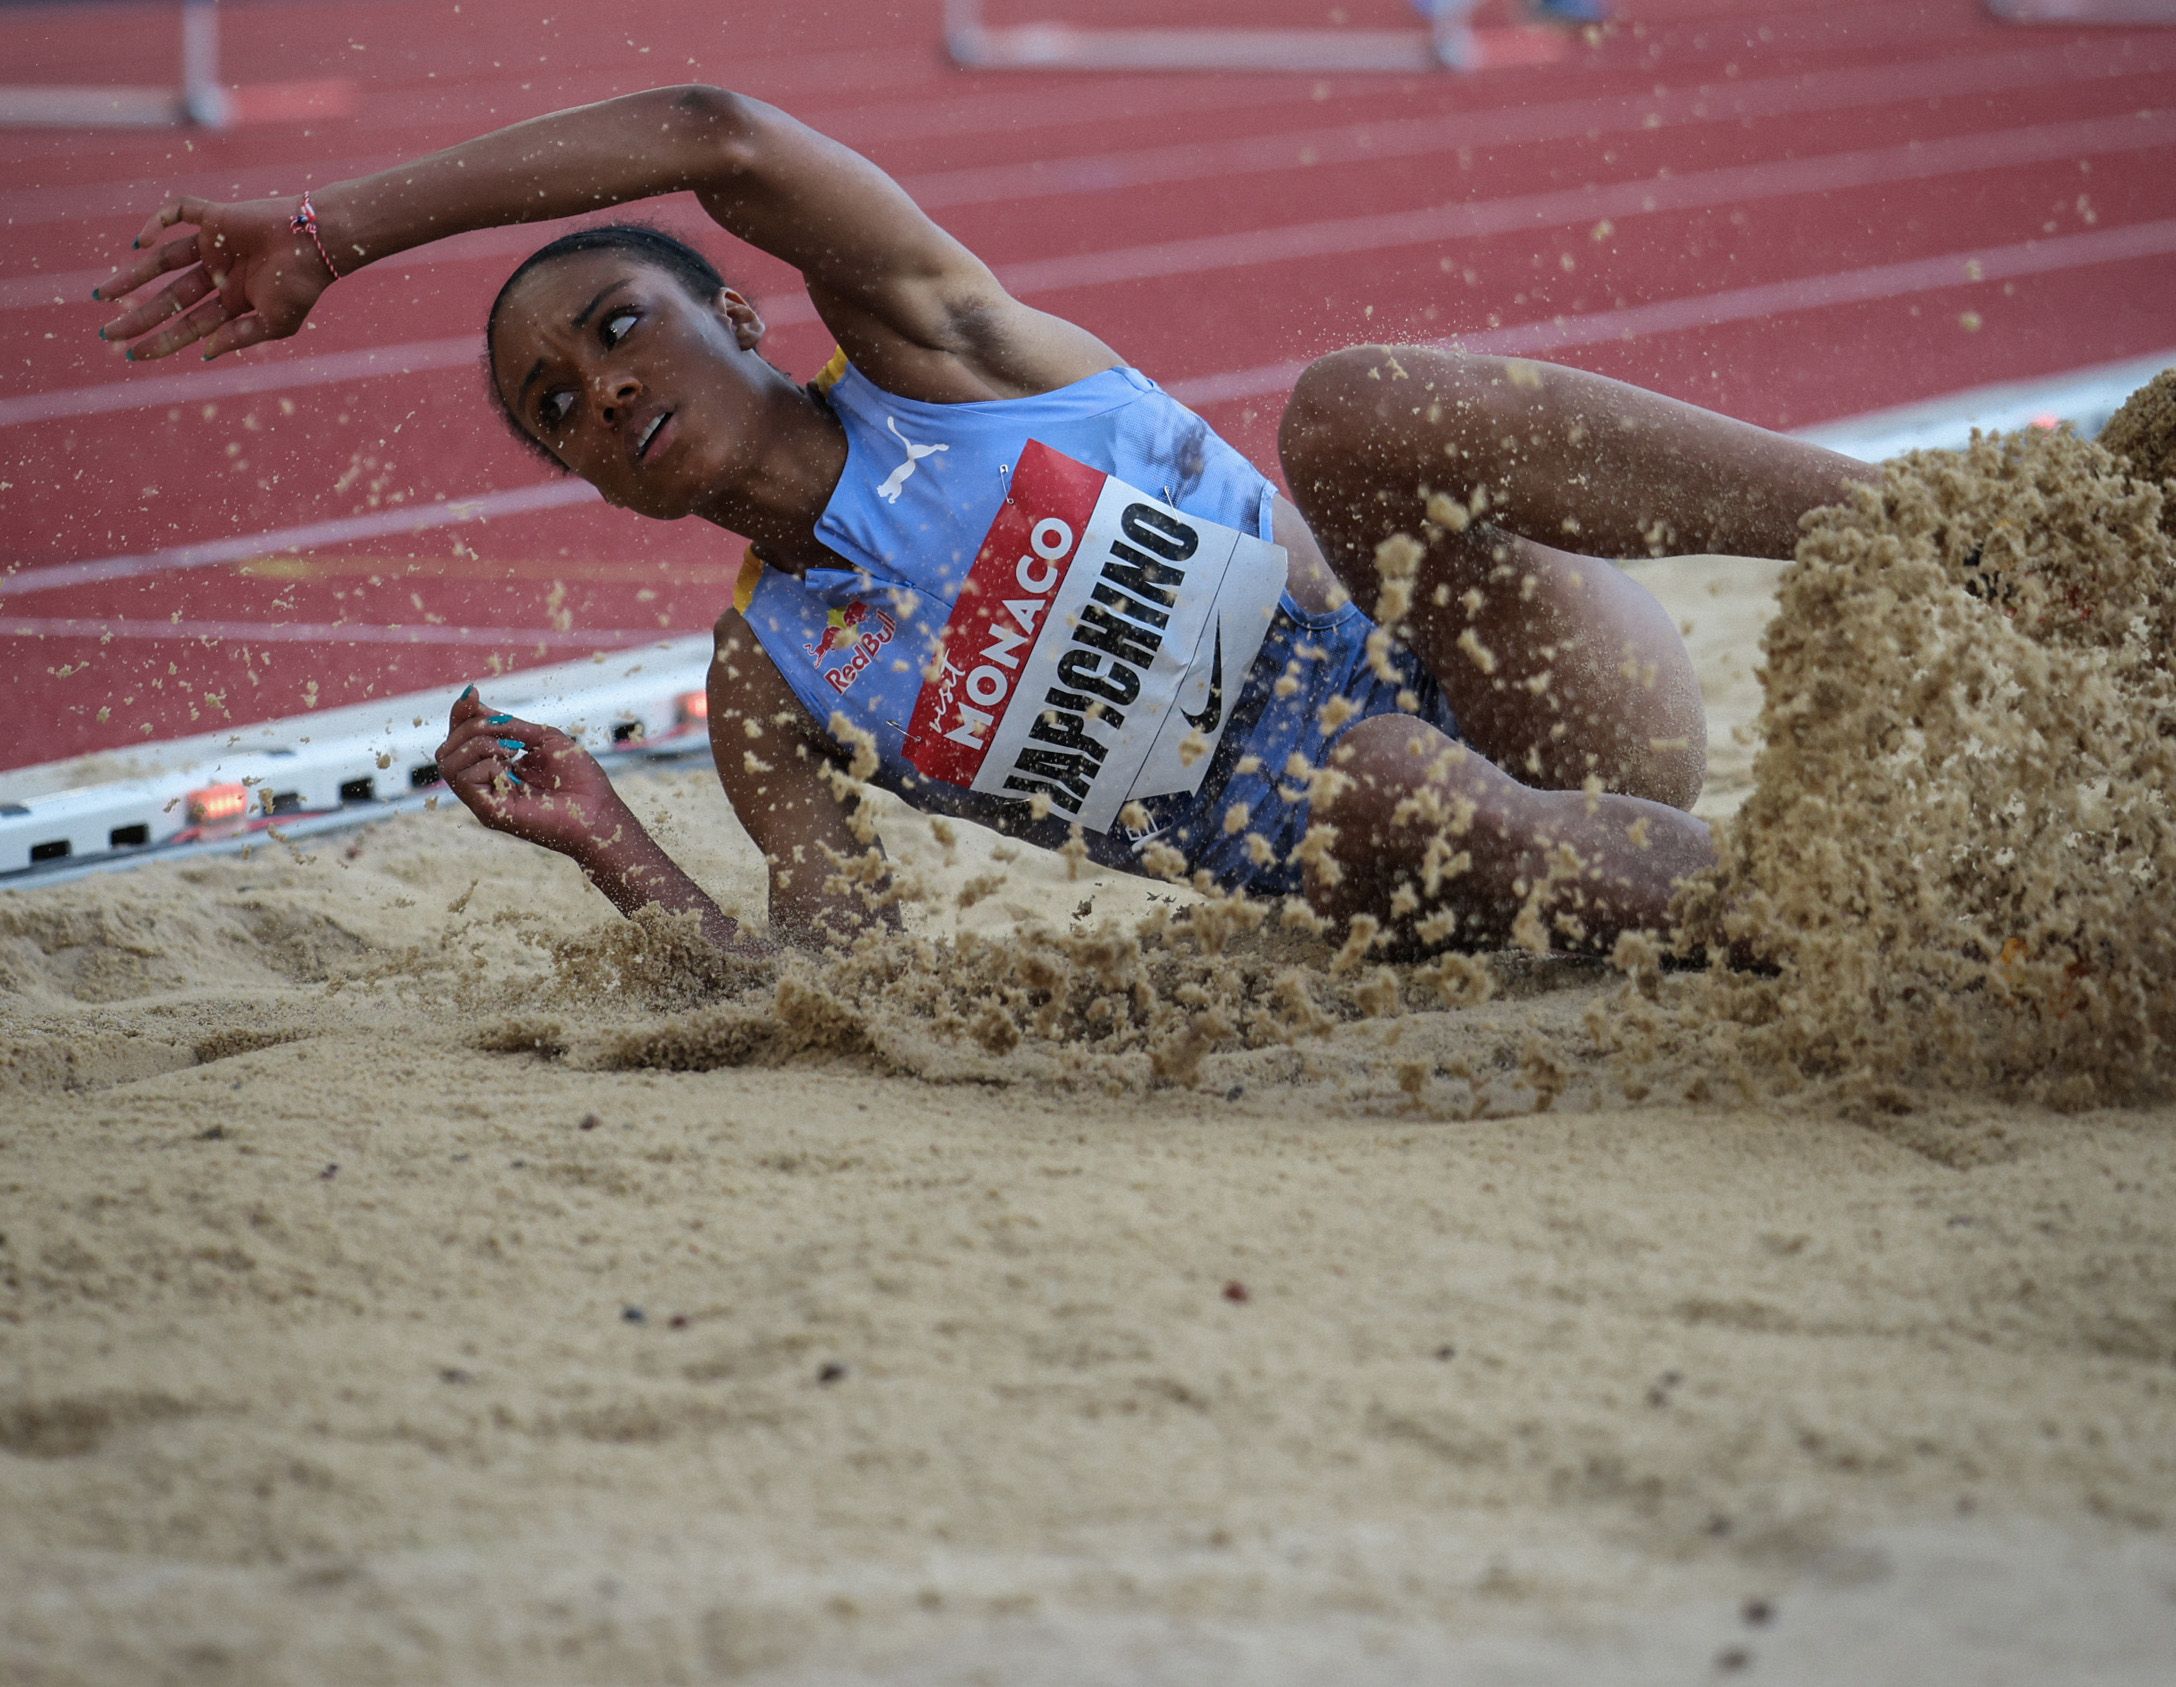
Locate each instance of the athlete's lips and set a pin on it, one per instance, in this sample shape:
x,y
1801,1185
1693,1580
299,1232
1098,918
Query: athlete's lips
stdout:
x,y
652,435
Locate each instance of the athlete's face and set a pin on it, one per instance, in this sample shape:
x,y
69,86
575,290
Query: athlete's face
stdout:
x,y
649,394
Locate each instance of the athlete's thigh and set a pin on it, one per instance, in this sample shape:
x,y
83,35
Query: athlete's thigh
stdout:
x,y
1559,452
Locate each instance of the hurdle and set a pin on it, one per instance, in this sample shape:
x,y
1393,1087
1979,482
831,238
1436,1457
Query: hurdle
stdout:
x,y
1445,41
199,101
2076,12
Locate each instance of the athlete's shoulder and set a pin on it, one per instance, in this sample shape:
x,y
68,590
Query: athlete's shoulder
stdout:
x,y
1001,349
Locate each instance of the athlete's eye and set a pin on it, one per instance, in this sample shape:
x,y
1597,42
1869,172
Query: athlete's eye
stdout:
x,y
614,328
555,408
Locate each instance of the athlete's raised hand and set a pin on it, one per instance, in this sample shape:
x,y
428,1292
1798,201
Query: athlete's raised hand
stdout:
x,y
531,782
242,275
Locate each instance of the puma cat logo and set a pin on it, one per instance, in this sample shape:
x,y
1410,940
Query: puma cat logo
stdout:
x,y
896,483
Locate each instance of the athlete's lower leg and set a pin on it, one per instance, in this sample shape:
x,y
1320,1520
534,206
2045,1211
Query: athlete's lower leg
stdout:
x,y
1562,669
1559,455
1447,850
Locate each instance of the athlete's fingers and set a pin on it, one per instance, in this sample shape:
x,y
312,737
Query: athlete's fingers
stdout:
x,y
182,209
459,765
471,714
174,254
473,765
470,732
516,737
171,300
465,706
528,733
453,757
481,739
243,331
185,330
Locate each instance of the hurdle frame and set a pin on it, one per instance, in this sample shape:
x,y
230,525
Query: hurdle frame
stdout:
x,y
2080,14
199,102
1445,41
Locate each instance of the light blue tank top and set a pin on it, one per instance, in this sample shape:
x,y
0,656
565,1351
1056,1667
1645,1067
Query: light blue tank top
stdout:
x,y
921,486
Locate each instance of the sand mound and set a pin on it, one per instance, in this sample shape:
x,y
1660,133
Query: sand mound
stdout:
x,y
1960,849
1120,1006
2142,435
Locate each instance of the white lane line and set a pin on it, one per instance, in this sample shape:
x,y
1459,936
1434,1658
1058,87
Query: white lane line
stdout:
x,y
321,632
944,105
1382,140
942,111
1734,185
1744,304
1342,236
246,547
445,99
1364,141
198,385
1664,316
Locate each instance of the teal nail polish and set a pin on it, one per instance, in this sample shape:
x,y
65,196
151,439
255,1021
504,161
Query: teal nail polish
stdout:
x,y
498,720
129,356
101,333
95,299
513,778
470,692
513,743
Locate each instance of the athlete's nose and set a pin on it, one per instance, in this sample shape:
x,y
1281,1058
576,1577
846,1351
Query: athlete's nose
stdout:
x,y
616,398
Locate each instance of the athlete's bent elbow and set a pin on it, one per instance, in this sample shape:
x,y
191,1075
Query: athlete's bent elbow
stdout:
x,y
705,103
715,123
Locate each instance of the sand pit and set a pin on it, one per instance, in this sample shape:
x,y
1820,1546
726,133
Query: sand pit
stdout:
x,y
1061,1298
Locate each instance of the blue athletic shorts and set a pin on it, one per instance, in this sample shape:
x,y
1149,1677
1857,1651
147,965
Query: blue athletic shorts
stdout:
x,y
1327,655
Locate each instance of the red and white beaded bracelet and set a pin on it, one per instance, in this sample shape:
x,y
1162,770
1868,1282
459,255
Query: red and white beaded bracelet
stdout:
x,y
305,222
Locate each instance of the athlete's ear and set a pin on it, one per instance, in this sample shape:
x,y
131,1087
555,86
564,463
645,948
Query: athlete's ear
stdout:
x,y
741,316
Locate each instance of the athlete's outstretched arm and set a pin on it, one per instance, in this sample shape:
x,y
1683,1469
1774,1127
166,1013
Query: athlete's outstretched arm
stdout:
x,y
877,267
535,783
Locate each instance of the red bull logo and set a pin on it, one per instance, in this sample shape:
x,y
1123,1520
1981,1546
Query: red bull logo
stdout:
x,y
858,629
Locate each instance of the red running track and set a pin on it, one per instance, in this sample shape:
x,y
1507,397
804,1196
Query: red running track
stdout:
x,y
1793,213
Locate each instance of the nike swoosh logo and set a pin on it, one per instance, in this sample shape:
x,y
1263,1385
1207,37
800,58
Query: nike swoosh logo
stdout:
x,y
1213,711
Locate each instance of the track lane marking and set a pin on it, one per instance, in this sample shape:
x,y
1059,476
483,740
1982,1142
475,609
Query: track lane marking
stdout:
x,y
1681,110
340,530
1735,184
1743,304
1003,105
325,632
1732,184
1397,138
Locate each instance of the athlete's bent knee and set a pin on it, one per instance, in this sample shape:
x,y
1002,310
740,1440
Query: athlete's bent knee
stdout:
x,y
1674,772
1333,401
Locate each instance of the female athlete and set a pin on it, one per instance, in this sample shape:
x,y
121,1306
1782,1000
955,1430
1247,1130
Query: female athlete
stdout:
x,y
1011,579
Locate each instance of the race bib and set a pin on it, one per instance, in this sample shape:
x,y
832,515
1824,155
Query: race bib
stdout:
x,y
1098,646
